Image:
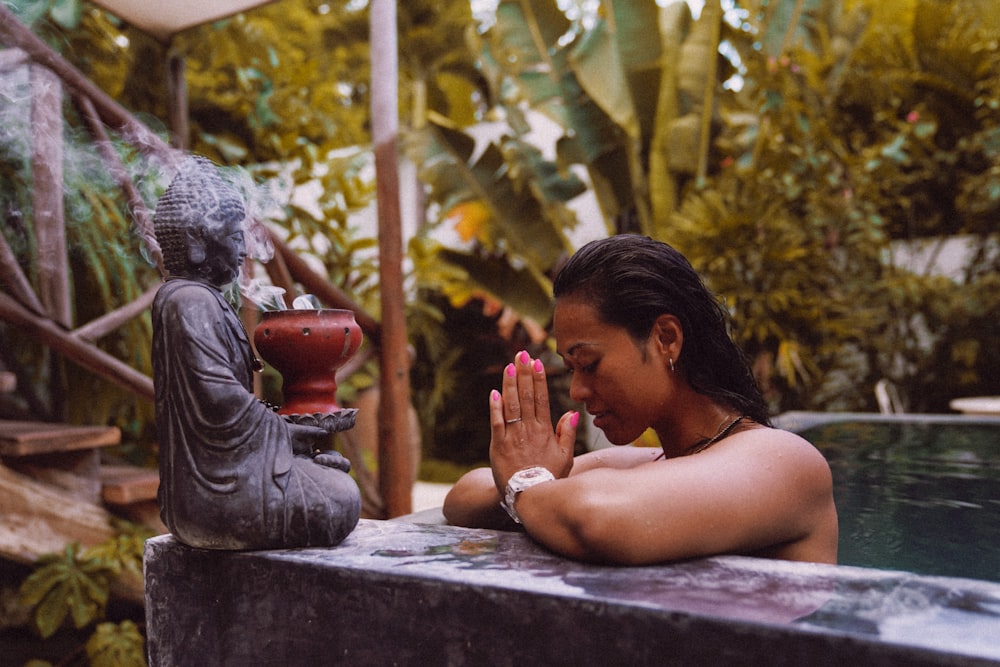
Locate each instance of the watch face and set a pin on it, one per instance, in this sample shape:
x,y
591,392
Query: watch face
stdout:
x,y
520,481
525,478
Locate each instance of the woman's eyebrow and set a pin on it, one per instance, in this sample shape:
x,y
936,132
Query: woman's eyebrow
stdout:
x,y
572,350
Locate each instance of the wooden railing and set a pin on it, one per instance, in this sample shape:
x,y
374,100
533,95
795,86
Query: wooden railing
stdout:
x,y
44,313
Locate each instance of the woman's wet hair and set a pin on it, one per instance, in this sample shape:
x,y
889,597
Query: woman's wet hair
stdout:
x,y
631,280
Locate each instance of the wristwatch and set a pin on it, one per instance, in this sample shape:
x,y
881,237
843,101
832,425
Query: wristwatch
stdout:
x,y
518,482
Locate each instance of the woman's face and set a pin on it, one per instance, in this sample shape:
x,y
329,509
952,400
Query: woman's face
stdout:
x,y
624,385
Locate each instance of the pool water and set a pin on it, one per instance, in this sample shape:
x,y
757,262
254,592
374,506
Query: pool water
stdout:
x,y
921,495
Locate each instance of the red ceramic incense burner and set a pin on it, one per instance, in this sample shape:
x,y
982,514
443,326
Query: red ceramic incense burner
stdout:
x,y
307,347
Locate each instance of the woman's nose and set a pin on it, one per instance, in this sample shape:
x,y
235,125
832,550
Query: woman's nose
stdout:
x,y
578,389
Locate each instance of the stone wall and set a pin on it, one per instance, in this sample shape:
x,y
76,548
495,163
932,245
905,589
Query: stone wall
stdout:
x,y
397,593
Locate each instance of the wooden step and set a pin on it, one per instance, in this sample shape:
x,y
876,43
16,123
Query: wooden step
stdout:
x,y
24,438
125,484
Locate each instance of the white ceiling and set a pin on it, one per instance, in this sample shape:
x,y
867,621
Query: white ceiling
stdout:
x,y
164,18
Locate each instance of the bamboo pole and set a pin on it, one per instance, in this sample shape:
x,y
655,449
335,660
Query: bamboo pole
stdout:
x,y
395,455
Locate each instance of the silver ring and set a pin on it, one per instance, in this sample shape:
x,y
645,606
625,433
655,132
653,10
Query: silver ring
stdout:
x,y
513,421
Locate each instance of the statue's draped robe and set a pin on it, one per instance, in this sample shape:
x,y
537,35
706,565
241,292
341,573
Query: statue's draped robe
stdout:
x,y
228,475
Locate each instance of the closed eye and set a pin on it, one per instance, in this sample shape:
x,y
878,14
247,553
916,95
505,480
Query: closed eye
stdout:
x,y
589,369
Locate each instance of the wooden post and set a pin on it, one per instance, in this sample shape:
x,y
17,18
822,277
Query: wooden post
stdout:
x,y
50,226
47,193
177,100
395,455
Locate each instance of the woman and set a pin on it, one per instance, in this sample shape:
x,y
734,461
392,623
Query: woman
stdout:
x,y
648,347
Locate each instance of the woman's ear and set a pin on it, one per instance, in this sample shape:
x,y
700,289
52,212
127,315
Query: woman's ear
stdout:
x,y
668,337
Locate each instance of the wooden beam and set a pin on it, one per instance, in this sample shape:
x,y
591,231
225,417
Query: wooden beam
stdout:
x,y
76,350
15,280
15,34
136,204
37,519
177,100
22,438
47,193
277,271
100,327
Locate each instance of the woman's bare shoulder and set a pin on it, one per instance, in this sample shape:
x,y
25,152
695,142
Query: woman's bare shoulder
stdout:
x,y
754,489
776,447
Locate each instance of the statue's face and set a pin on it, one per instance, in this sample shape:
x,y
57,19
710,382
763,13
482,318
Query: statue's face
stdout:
x,y
225,250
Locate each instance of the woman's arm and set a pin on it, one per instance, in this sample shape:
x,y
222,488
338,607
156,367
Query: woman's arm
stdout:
x,y
522,436
761,491
474,501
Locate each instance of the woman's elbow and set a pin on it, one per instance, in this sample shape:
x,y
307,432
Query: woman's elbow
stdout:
x,y
586,529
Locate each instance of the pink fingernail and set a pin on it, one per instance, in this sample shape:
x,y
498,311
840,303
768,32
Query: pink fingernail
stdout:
x,y
574,419
538,365
523,357
509,370
494,395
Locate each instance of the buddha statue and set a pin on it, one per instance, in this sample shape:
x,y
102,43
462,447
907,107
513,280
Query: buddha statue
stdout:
x,y
234,474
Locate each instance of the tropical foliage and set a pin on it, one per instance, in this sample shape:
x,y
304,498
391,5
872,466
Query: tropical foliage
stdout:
x,y
793,172
73,588
810,156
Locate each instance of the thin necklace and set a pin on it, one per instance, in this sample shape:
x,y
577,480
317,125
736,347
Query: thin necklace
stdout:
x,y
702,445
705,444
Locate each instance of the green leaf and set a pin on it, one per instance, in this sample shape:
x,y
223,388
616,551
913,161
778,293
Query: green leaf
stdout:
x,y
525,43
520,288
523,193
617,64
115,645
64,586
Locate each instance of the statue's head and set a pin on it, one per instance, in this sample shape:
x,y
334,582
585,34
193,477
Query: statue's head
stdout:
x,y
199,224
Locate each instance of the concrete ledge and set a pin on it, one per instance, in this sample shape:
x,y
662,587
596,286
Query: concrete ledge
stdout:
x,y
398,593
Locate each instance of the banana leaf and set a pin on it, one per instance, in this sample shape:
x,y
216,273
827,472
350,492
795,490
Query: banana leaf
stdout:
x,y
525,44
523,193
617,64
521,288
674,23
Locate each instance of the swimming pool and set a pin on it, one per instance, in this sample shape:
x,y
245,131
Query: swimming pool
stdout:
x,y
919,493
